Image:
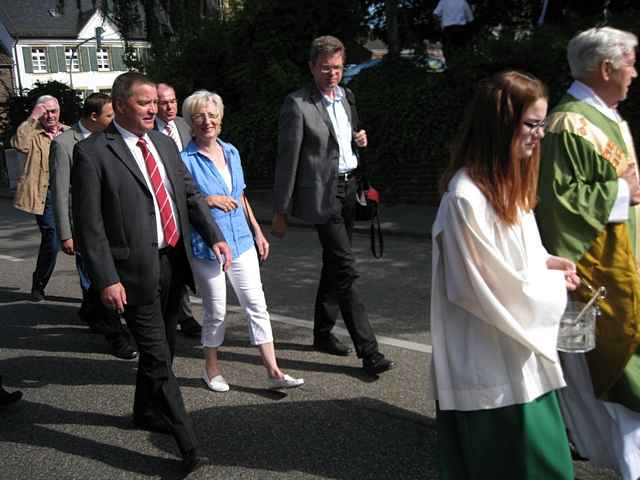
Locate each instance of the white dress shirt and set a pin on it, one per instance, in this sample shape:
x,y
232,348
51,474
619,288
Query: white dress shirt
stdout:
x,y
344,131
131,140
453,12
83,130
175,134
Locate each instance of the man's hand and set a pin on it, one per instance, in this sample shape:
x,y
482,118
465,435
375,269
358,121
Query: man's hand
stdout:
x,y
263,246
571,278
223,202
223,254
360,138
279,224
38,111
114,297
67,246
631,176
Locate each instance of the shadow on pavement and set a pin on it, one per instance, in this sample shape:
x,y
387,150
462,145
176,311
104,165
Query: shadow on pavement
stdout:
x,y
48,327
38,425
342,439
339,439
13,294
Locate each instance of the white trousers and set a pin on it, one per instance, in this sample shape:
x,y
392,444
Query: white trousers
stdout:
x,y
244,276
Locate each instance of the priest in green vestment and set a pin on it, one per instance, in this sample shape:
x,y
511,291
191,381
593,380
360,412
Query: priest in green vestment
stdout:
x,y
587,212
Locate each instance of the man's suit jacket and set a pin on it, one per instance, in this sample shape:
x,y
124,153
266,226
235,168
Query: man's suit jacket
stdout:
x,y
114,217
308,153
60,163
184,130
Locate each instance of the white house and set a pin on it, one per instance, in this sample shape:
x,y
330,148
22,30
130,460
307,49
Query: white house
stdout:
x,y
52,40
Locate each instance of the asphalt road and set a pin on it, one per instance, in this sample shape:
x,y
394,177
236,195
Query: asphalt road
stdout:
x,y
74,421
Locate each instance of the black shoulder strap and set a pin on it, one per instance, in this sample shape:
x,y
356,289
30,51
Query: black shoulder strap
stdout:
x,y
375,228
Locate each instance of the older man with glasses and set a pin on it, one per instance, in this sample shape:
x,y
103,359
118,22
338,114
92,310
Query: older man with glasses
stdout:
x,y
317,178
33,138
588,212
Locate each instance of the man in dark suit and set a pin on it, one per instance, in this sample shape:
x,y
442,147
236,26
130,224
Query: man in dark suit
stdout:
x,y
96,115
133,201
316,177
173,126
168,121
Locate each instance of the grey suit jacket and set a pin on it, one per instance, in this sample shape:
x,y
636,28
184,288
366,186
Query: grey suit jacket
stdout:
x,y
114,217
308,153
60,164
184,130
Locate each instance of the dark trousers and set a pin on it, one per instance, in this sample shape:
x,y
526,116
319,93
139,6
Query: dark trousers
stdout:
x,y
92,311
157,392
336,291
49,246
184,310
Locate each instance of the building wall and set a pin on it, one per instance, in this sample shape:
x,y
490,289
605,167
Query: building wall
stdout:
x,y
88,78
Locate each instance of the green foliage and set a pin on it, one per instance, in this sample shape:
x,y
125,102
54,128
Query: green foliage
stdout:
x,y
412,115
252,60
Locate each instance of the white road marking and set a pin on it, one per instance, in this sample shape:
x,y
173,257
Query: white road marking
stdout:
x,y
394,342
11,259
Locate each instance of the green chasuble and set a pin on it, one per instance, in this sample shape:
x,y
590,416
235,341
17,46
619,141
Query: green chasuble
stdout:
x,y
583,153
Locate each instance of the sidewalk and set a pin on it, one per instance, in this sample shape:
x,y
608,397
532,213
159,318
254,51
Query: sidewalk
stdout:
x,y
411,221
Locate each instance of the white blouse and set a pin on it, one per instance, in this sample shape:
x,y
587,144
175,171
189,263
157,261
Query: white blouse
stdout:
x,y
495,306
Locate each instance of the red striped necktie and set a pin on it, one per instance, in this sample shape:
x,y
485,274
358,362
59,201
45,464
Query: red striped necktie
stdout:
x,y
170,132
169,227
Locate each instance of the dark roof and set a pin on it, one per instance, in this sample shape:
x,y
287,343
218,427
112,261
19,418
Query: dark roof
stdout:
x,y
34,19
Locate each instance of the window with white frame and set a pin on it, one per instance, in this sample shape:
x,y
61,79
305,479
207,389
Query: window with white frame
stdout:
x,y
39,60
102,55
71,59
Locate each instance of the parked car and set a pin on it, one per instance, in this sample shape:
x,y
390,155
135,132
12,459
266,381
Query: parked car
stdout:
x,y
352,70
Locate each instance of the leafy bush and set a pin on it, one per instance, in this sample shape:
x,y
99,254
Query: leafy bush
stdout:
x,y
411,115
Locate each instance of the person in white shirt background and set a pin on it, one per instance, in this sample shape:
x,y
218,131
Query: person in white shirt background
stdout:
x,y
455,17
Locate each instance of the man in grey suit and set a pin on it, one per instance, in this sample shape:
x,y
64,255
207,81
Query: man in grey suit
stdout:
x,y
96,115
316,177
134,204
173,126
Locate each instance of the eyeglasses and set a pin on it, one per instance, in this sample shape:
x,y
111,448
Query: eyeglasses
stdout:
x,y
200,118
542,124
331,68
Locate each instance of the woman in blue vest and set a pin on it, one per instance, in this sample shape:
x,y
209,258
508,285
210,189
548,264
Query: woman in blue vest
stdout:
x,y
216,168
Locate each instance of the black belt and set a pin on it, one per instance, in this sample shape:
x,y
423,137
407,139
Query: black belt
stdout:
x,y
345,177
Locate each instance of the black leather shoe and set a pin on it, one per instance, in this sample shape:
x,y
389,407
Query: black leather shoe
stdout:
x,y
121,347
331,345
37,295
152,423
192,461
377,363
190,327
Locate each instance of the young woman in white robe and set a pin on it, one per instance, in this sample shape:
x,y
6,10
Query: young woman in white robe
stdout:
x,y
497,297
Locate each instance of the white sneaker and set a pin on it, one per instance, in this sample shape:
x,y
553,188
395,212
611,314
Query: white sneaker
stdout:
x,y
285,382
217,383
